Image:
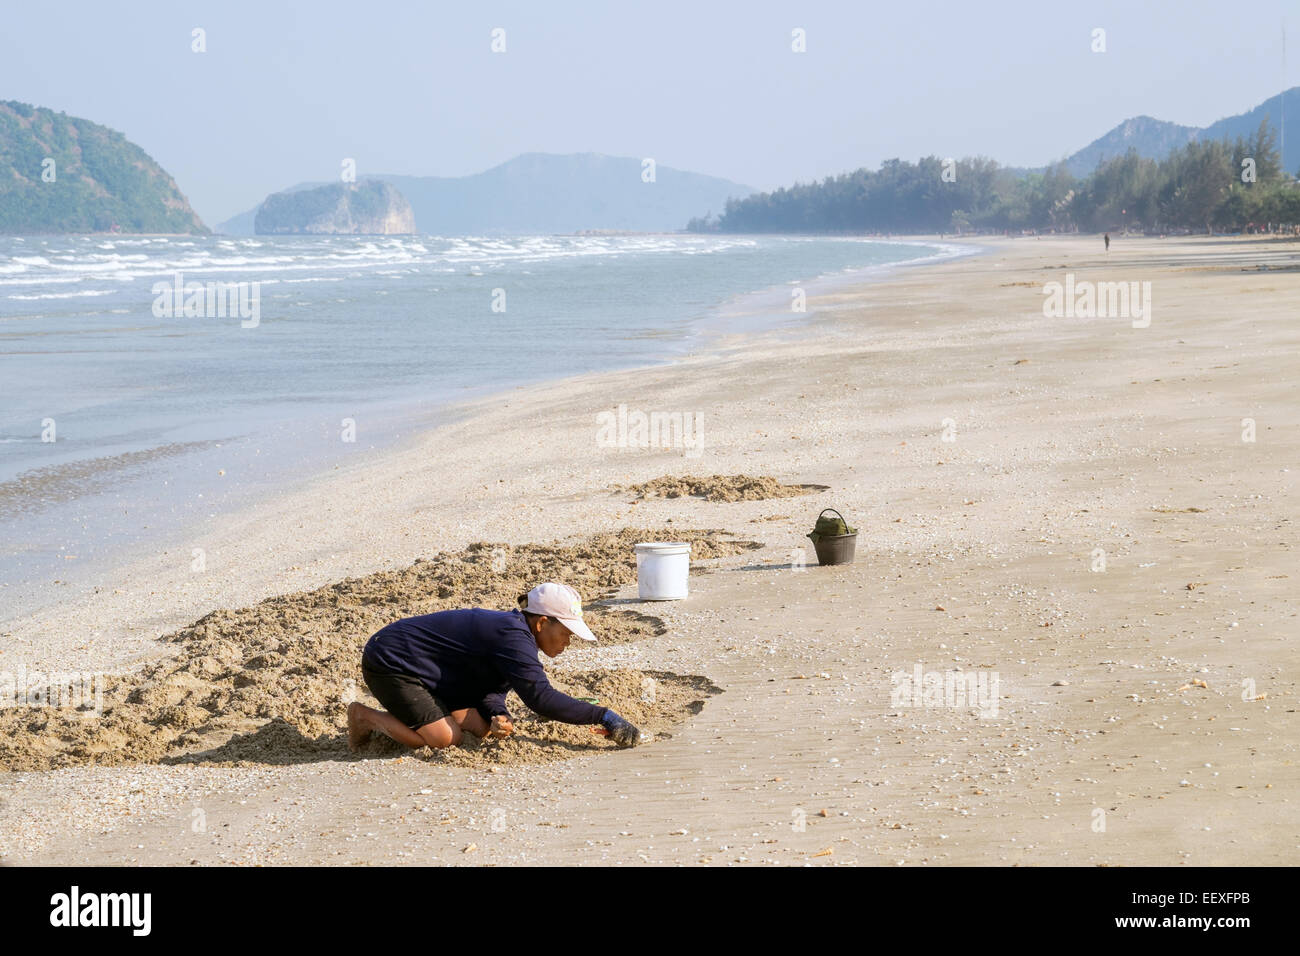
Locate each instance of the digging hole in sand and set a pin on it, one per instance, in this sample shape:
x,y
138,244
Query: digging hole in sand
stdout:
x,y
720,488
656,701
270,683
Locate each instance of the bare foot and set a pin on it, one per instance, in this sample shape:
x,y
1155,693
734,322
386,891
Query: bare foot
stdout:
x,y
358,729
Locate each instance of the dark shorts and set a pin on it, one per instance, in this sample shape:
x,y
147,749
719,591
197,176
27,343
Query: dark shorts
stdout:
x,y
404,697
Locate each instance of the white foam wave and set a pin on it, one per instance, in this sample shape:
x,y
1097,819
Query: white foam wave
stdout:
x,y
64,295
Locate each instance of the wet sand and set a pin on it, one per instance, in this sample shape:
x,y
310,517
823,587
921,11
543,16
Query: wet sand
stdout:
x,y
1095,532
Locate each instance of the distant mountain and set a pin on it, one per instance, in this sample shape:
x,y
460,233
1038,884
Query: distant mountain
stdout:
x,y
1152,138
1244,124
243,224
59,173
543,193
367,208
1156,139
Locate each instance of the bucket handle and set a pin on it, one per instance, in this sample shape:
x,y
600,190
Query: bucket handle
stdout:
x,y
840,516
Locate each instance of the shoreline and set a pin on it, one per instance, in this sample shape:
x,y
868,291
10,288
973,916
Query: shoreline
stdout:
x,y
1069,436
410,419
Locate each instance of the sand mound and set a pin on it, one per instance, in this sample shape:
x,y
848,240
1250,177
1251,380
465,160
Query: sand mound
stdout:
x,y
269,683
720,488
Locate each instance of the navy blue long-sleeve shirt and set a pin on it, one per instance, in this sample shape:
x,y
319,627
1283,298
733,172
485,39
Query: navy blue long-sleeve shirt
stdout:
x,y
472,658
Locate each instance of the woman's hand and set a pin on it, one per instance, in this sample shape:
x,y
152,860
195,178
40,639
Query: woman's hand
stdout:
x,y
501,727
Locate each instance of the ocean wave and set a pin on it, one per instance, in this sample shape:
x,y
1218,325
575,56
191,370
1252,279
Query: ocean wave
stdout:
x,y
127,261
307,279
47,280
64,295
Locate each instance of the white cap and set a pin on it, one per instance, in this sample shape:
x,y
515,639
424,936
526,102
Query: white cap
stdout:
x,y
562,603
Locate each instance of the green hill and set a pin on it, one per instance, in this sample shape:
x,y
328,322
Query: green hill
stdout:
x,y
101,181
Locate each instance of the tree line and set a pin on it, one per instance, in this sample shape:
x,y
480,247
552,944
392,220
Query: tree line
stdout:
x,y
1211,186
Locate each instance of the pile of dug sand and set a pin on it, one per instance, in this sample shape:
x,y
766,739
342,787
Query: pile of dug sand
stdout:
x,y
720,488
270,683
655,701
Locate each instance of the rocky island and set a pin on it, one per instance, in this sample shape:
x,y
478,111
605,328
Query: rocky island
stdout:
x,y
369,207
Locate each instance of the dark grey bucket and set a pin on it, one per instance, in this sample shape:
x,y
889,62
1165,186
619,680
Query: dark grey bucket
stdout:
x,y
834,548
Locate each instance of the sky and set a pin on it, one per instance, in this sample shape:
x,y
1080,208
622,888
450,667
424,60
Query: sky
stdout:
x,y
285,91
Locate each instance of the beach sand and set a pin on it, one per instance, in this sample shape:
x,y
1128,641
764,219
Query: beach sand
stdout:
x,y
1065,503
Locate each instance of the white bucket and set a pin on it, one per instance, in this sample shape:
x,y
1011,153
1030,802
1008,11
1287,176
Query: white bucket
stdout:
x,y
661,570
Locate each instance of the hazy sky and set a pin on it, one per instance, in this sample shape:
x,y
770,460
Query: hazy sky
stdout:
x,y
286,91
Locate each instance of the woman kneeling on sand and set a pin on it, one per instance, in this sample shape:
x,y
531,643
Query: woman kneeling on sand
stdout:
x,y
438,675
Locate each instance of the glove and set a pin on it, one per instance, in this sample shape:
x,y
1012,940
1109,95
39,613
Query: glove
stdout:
x,y
619,730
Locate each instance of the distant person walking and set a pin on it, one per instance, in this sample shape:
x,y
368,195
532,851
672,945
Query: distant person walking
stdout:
x,y
1106,237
